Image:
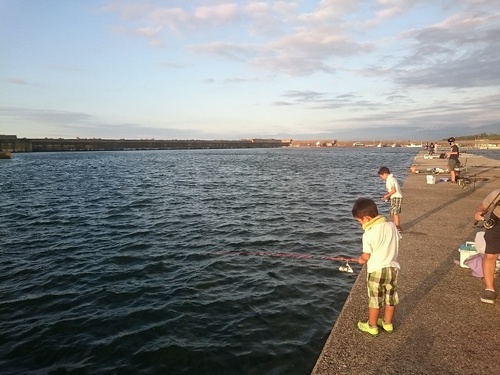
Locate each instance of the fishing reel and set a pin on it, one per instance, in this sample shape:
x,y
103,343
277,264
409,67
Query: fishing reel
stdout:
x,y
490,223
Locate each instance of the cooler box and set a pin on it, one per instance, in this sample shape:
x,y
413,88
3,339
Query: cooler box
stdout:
x,y
466,250
431,179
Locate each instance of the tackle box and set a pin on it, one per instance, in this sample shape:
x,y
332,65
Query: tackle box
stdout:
x,y
466,250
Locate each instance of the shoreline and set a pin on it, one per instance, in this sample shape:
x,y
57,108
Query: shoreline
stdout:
x,y
440,325
14,144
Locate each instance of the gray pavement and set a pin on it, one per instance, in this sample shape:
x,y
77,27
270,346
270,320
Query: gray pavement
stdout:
x,y
440,326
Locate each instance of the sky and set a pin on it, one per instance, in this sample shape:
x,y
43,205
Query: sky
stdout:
x,y
193,69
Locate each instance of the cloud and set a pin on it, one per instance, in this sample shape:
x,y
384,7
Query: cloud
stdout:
x,y
402,63
217,14
46,116
154,17
240,80
459,52
68,124
299,45
329,11
291,40
465,117
149,31
16,81
323,100
127,10
305,96
282,104
172,65
228,51
268,18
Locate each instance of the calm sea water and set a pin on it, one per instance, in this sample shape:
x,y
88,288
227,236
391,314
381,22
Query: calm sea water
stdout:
x,y
492,154
160,262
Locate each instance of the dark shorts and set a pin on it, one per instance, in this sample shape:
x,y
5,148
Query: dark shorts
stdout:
x,y
492,237
452,164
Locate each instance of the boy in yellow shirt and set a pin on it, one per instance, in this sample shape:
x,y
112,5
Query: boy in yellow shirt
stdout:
x,y
380,254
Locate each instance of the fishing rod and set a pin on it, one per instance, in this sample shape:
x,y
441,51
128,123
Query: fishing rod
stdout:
x,y
344,268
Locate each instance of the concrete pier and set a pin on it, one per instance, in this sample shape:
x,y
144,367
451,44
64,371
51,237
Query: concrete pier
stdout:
x,y
440,326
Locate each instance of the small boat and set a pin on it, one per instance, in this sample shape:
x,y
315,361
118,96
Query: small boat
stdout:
x,y
415,145
5,155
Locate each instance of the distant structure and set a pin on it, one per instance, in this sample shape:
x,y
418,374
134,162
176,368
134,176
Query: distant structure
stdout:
x,y
10,143
13,144
312,143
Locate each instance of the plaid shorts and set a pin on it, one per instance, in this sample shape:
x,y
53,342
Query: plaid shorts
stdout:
x,y
396,206
382,288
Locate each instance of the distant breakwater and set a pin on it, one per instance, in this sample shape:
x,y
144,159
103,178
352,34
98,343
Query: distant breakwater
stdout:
x,y
14,144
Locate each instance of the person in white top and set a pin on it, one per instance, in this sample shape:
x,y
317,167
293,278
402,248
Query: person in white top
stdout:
x,y
380,253
393,193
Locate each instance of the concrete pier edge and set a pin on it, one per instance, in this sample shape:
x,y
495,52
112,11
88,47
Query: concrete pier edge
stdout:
x,y
440,326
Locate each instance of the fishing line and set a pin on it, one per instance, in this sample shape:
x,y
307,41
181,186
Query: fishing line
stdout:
x,y
344,268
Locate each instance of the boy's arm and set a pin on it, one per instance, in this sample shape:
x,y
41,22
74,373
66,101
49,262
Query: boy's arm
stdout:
x,y
389,194
363,258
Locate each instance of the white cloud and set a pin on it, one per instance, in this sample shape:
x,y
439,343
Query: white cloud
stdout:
x,y
460,51
149,31
16,81
229,51
46,117
216,14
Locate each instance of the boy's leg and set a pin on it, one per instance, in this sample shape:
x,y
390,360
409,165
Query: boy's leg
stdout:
x,y
389,313
373,314
395,210
392,214
391,297
396,220
373,282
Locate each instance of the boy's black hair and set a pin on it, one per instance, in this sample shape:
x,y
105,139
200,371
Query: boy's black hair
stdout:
x,y
384,170
364,207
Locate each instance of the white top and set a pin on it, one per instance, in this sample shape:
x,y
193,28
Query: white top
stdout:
x,y
382,243
391,182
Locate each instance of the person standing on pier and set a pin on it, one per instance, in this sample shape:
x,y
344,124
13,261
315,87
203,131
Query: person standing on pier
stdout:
x,y
393,193
380,253
431,148
453,159
492,238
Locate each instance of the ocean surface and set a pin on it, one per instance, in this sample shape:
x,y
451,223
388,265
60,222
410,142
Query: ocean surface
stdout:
x,y
179,262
